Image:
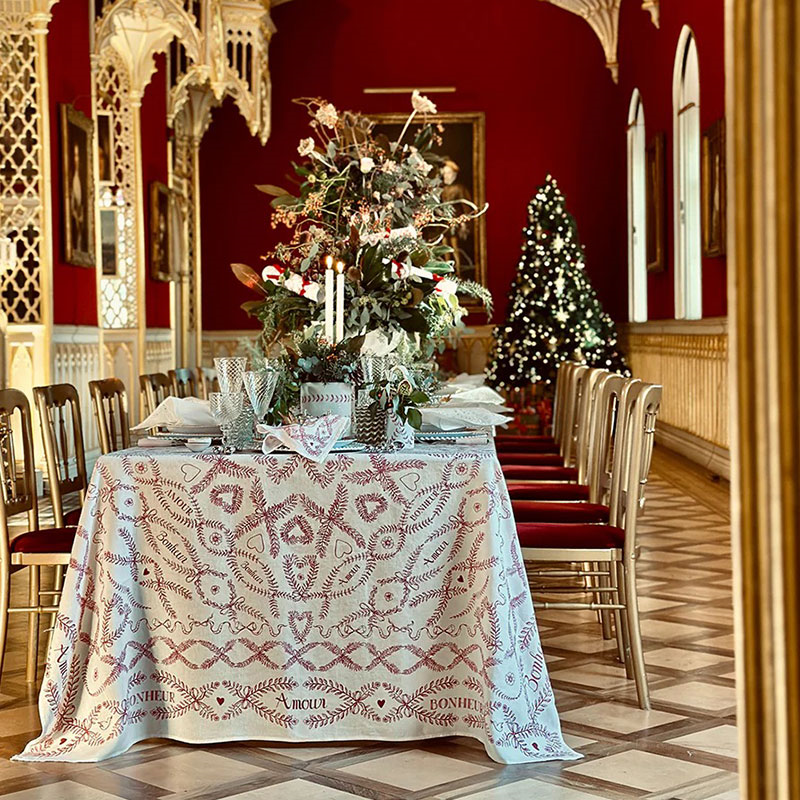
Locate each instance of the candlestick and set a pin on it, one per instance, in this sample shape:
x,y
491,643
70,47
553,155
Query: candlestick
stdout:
x,y
339,301
329,299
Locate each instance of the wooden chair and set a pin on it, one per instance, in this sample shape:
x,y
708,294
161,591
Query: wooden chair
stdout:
x,y
154,388
110,403
207,381
36,547
184,383
610,546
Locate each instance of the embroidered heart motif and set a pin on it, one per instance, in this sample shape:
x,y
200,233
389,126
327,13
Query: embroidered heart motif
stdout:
x,y
460,579
300,623
381,703
220,700
297,530
145,571
300,572
256,542
63,740
371,506
228,497
190,472
341,548
410,481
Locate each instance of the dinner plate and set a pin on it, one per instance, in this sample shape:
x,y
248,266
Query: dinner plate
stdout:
x,y
195,430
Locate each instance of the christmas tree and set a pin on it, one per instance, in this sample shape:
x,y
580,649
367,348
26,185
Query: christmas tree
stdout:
x,y
554,314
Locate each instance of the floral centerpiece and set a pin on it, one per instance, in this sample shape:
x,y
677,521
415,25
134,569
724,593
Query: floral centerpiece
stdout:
x,y
375,207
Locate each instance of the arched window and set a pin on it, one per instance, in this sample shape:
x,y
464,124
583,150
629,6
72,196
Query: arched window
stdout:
x,y
686,157
637,212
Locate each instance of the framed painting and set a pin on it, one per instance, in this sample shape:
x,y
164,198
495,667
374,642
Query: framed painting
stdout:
x,y
463,172
77,186
714,190
655,212
160,266
105,148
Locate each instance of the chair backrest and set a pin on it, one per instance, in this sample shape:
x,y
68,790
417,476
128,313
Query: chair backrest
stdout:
x,y
572,404
154,388
62,434
110,403
184,383
591,383
207,381
602,429
560,398
638,411
17,473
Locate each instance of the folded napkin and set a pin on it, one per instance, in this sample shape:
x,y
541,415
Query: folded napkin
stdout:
x,y
177,412
312,440
465,379
478,395
448,418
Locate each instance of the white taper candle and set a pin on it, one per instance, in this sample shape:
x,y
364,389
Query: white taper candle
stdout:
x,y
339,301
329,299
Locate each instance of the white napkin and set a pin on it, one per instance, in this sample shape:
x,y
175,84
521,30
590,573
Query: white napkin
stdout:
x,y
152,441
479,395
447,418
174,412
312,440
465,379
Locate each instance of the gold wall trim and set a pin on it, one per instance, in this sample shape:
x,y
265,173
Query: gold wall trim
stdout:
x,y
690,360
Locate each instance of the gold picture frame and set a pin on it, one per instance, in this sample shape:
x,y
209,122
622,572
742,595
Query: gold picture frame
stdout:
x,y
160,223
464,142
655,208
714,191
77,186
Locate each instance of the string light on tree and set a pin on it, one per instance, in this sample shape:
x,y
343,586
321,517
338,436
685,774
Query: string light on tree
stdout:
x,y
554,314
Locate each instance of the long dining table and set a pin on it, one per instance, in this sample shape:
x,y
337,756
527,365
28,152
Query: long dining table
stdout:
x,y
217,597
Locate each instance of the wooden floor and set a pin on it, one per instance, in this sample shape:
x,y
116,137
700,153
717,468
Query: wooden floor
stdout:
x,y
684,749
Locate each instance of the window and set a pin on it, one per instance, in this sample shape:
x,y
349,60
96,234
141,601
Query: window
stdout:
x,y
686,150
637,212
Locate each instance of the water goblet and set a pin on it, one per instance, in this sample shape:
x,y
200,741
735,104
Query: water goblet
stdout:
x,y
225,408
230,373
260,386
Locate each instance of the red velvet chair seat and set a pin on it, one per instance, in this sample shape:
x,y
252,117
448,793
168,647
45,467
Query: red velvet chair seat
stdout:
x,y
526,447
47,540
515,472
531,459
72,518
552,534
548,491
531,511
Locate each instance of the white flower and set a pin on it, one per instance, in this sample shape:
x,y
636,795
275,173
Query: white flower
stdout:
x,y
306,147
294,283
367,164
389,167
446,287
271,273
311,291
327,115
421,103
419,163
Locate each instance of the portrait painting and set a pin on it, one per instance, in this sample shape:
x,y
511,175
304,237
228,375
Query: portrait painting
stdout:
x,y
160,268
655,211
714,190
462,171
77,187
108,241
105,148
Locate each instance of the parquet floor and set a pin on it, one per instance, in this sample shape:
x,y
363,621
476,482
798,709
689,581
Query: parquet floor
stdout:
x,y
684,749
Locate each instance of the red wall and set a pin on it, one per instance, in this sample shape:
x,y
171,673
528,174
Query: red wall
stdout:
x,y
536,70
74,288
154,168
647,56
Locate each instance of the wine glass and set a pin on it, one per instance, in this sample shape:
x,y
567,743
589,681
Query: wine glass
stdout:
x,y
260,386
230,373
225,408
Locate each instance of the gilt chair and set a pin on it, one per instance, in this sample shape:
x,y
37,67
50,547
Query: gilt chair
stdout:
x,y
110,403
207,381
184,382
555,550
35,547
154,388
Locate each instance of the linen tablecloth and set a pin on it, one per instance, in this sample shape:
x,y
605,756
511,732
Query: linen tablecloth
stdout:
x,y
376,596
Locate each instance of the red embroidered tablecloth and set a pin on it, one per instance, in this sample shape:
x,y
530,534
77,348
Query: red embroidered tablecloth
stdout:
x,y
218,598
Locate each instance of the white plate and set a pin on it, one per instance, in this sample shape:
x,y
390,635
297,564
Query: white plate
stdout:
x,y
195,430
